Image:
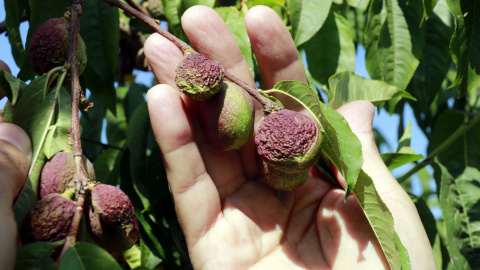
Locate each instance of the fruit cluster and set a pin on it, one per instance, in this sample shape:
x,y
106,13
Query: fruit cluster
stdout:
x,y
288,143
109,214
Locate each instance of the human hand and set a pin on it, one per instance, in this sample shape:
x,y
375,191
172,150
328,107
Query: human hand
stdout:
x,y
15,154
230,218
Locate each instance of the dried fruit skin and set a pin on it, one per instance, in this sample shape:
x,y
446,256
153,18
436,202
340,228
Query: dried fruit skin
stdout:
x,y
49,220
288,144
50,45
198,77
59,171
112,222
228,117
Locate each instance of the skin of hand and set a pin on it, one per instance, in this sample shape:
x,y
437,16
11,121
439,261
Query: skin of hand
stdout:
x,y
231,220
15,155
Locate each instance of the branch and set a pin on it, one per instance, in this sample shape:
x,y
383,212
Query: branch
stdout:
x,y
268,105
3,25
453,138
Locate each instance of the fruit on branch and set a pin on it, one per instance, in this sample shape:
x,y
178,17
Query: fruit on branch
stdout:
x,y
50,46
155,7
4,66
49,220
227,118
199,77
288,144
111,218
59,171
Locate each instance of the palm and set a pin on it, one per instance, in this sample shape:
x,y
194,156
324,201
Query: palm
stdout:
x,y
230,219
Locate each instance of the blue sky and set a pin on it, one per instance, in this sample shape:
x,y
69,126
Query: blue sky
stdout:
x,y
386,124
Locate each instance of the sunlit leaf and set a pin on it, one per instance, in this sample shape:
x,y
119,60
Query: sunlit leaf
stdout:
x,y
346,87
389,55
307,16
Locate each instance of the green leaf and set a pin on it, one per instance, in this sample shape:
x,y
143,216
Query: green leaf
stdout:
x,y
268,3
428,6
11,86
233,18
340,144
117,124
99,28
14,10
58,134
389,56
395,160
39,12
35,256
86,256
173,12
460,206
346,87
107,166
380,219
307,16
403,253
465,44
335,37
191,3
34,114
429,82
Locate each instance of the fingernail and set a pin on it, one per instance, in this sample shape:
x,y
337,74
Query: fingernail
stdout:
x,y
16,136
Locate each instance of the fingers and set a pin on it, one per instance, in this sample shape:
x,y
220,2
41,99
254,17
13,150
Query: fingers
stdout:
x,y
359,115
15,154
163,57
274,49
196,198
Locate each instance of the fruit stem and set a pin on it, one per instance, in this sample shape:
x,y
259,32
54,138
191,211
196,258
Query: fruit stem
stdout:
x,y
71,238
268,105
152,24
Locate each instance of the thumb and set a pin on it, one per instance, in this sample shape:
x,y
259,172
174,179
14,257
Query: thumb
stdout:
x,y
15,155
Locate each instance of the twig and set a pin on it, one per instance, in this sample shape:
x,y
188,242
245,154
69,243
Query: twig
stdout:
x,y
3,25
268,105
454,137
104,146
80,177
152,24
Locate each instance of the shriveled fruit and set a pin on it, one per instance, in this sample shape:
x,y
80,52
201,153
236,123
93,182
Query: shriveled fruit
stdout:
x,y
49,220
50,45
111,218
228,117
198,77
288,144
59,171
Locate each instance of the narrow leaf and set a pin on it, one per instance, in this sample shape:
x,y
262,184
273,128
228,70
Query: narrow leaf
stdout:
x,y
35,256
389,55
395,160
307,16
465,44
346,87
14,10
428,6
380,219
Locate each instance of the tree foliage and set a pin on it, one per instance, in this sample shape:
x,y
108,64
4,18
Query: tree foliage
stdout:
x,y
421,54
